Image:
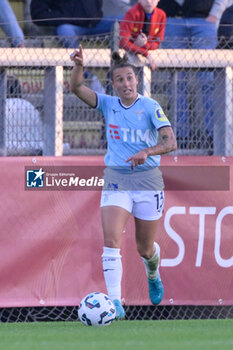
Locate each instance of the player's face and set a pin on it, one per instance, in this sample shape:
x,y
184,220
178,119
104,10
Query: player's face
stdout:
x,y
148,5
125,84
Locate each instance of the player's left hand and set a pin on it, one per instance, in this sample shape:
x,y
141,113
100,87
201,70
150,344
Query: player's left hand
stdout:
x,y
137,159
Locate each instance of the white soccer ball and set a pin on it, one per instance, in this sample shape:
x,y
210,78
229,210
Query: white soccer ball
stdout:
x,y
96,309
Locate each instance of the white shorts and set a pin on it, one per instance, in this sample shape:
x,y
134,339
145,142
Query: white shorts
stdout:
x,y
144,205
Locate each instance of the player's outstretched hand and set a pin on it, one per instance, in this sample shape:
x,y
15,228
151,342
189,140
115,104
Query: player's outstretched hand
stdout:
x,y
77,56
138,159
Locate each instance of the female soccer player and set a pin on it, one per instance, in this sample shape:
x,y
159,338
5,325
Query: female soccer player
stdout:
x,y
138,132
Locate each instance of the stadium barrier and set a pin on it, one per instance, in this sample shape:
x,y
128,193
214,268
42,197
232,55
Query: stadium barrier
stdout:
x,y
52,240
203,123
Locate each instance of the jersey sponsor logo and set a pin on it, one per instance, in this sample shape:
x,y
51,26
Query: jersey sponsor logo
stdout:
x,y
113,130
129,135
135,135
159,115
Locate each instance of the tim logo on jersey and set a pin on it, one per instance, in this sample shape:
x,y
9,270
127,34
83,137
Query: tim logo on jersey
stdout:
x,y
135,135
128,135
114,131
35,178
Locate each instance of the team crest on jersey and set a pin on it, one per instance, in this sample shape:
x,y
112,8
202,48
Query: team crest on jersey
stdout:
x,y
159,115
139,114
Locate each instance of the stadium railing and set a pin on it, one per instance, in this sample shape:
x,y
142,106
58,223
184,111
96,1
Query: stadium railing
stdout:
x,y
44,75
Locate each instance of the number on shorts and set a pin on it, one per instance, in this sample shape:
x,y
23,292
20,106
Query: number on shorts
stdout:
x,y
159,200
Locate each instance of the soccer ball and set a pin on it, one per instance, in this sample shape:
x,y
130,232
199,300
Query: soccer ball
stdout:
x,y
96,309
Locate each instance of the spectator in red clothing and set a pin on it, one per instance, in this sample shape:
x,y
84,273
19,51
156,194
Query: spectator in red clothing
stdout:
x,y
142,29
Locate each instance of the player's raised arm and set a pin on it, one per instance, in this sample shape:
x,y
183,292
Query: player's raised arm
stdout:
x,y
76,83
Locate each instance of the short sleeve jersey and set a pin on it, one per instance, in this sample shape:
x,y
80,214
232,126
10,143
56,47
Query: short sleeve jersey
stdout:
x,y
131,129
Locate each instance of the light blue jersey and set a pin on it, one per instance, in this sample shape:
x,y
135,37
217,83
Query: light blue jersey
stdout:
x,y
131,129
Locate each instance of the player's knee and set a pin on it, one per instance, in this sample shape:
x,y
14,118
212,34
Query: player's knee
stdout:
x,y
112,243
145,251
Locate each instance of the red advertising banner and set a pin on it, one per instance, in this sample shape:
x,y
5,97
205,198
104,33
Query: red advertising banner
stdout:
x,y
51,239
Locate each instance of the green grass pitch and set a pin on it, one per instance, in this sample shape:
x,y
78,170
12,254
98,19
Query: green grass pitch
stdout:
x,y
121,335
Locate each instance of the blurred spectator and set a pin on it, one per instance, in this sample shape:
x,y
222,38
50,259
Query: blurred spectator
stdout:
x,y
225,30
112,10
142,29
193,24
9,24
93,82
71,18
23,124
108,11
